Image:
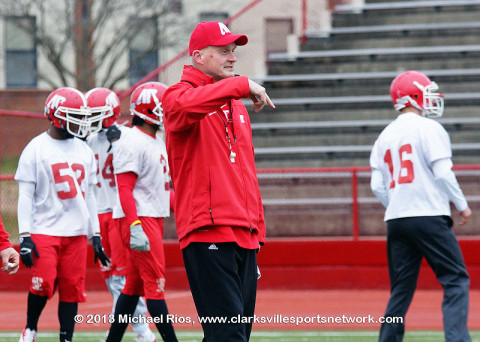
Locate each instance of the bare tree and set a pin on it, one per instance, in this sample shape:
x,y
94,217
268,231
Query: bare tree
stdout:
x,y
87,42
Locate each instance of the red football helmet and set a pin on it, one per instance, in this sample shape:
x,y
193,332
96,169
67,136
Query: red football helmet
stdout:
x,y
67,109
412,88
105,107
145,102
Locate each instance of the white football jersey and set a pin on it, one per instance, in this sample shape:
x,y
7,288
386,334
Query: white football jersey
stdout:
x,y
404,153
146,156
62,171
106,189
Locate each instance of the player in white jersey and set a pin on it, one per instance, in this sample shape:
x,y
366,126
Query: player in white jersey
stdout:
x,y
105,107
141,169
57,211
412,176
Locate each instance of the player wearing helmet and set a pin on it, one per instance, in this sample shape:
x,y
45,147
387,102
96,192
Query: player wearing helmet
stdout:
x,y
105,109
412,176
414,89
67,111
141,169
57,211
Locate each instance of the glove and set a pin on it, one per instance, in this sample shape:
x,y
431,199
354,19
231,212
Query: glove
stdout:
x,y
138,239
26,247
99,252
113,134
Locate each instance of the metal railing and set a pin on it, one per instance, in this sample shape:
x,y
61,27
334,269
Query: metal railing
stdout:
x,y
353,173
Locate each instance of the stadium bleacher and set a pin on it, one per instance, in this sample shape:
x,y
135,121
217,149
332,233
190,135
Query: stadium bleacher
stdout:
x,y
431,4
393,29
378,52
332,102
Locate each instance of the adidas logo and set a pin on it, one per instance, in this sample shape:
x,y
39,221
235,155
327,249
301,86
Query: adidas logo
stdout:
x,y
213,247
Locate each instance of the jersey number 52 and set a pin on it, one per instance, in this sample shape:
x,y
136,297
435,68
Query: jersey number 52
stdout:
x,y
66,177
405,174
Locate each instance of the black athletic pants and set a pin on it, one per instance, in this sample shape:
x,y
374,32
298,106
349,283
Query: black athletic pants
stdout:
x,y
223,281
408,241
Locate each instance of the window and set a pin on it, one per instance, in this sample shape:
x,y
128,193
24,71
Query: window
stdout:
x,y
175,6
213,16
143,49
277,31
20,52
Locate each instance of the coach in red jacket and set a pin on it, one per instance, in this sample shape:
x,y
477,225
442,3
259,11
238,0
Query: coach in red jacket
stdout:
x,y
218,207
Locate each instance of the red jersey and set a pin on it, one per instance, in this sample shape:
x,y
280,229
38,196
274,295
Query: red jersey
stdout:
x,y
211,155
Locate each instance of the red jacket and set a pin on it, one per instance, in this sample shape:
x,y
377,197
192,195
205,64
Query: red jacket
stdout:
x,y
4,243
210,189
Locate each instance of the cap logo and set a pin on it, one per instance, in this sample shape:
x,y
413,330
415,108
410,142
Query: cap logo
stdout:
x,y
223,29
56,101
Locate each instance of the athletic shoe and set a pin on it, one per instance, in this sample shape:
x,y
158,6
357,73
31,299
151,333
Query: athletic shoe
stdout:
x,y
28,335
148,337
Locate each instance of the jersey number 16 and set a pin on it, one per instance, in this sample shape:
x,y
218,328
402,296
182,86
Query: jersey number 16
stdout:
x,y
405,174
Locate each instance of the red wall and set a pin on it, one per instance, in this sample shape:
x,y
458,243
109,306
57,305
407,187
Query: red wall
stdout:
x,y
295,264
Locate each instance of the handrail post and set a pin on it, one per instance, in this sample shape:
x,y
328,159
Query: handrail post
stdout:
x,y
355,216
303,37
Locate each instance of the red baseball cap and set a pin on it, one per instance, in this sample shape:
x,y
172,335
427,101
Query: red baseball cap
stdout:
x,y
213,33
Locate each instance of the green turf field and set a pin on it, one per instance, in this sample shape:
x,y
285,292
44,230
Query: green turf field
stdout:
x,y
257,336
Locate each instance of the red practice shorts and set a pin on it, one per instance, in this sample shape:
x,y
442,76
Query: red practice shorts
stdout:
x,y
145,270
62,264
113,246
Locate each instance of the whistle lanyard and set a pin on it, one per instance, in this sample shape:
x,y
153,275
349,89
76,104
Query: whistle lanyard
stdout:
x,y
225,123
229,120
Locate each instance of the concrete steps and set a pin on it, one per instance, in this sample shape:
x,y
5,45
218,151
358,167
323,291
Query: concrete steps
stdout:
x,y
374,64
361,87
333,100
449,11
351,114
384,39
